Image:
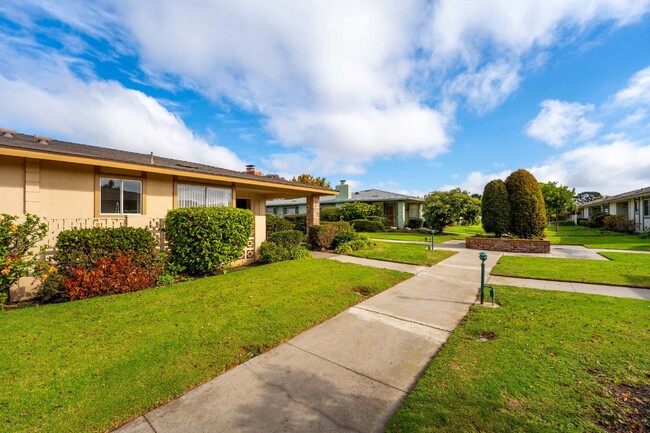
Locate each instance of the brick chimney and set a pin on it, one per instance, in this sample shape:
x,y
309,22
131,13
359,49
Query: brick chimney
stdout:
x,y
250,169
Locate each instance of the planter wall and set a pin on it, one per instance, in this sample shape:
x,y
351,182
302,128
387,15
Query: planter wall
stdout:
x,y
508,245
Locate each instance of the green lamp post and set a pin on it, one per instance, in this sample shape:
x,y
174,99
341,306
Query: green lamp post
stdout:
x,y
483,256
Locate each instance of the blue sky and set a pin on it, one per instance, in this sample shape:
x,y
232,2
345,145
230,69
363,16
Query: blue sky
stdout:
x,y
409,96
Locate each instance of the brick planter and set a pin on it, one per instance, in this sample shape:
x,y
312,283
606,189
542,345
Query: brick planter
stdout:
x,y
508,245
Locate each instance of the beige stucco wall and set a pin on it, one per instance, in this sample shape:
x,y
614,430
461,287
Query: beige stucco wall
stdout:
x,y
67,190
12,185
159,191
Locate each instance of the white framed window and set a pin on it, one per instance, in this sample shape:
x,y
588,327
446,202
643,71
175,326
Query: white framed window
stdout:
x,y
414,210
120,196
293,210
199,195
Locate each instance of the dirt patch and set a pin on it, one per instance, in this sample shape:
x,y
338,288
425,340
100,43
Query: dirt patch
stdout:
x,y
363,291
633,414
485,336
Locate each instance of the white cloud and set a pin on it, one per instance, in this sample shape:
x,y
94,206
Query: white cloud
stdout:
x,y
476,181
102,113
559,121
638,89
633,119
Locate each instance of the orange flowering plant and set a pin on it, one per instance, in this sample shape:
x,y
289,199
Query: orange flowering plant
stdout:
x,y
18,251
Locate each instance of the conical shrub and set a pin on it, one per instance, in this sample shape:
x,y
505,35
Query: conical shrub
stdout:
x,y
527,210
495,208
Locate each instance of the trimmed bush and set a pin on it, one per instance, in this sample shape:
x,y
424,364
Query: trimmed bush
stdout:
x,y
367,226
357,211
85,247
270,252
330,214
286,238
322,236
276,224
340,225
495,208
583,223
415,223
597,220
206,240
645,234
566,223
527,210
299,222
348,241
121,273
619,223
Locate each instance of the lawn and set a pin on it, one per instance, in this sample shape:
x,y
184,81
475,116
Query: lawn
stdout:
x,y
623,269
543,362
413,254
454,232
597,238
91,365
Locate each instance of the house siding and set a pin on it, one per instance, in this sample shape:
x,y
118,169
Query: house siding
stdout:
x,y
12,185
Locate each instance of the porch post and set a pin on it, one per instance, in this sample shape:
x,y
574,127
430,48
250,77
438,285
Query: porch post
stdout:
x,y
313,210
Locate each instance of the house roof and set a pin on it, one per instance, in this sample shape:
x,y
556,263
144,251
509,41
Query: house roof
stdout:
x,y
622,196
368,195
30,146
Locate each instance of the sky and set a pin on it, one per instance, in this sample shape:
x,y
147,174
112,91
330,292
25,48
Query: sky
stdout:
x,y
408,96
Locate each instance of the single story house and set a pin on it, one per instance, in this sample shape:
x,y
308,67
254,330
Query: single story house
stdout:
x,y
635,205
397,208
76,185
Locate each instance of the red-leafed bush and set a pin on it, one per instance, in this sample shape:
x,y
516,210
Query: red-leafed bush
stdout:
x,y
122,273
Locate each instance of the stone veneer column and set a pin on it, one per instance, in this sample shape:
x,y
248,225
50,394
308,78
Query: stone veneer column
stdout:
x,y
313,210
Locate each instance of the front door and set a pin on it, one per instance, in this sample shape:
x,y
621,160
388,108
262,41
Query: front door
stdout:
x,y
389,213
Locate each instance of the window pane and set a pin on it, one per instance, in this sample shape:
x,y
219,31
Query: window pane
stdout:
x,y
191,195
132,196
218,197
109,195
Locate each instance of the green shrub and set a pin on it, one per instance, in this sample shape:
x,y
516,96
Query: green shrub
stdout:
x,y
340,225
84,247
277,224
322,236
619,223
527,211
380,219
286,238
645,234
348,241
566,223
343,237
330,214
597,220
18,255
344,248
583,223
415,223
299,222
357,211
206,240
366,226
495,208
270,252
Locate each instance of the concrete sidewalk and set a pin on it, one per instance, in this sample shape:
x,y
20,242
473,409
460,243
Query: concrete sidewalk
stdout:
x,y
348,374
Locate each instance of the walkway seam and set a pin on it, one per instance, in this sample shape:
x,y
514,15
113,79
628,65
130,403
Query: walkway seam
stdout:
x,y
148,422
402,319
347,368
302,403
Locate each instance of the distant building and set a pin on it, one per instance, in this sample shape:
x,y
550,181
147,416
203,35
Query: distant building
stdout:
x,y
397,208
635,205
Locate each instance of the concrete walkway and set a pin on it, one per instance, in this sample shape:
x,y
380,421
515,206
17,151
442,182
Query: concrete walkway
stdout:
x,y
348,374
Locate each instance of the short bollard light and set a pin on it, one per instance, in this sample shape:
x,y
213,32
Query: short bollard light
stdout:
x,y
483,256
492,294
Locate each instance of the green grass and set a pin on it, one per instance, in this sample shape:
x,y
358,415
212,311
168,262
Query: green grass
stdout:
x,y
546,370
597,238
623,269
455,232
413,254
91,365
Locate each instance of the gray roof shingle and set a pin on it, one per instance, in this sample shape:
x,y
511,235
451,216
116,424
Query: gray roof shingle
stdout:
x,y
621,196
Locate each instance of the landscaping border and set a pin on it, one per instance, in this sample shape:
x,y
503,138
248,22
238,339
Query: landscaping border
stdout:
x,y
508,245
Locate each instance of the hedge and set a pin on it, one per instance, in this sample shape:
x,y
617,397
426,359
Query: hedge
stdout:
x,y
330,214
276,224
206,240
415,223
367,226
299,222
495,208
286,238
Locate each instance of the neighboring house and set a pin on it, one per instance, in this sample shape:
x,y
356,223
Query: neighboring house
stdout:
x,y
76,185
397,208
635,205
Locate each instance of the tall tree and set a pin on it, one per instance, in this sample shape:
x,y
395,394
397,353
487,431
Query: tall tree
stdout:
x,y
308,179
587,196
495,208
527,210
441,208
558,199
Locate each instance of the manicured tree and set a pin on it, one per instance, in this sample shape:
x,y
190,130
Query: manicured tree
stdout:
x,y
557,199
495,208
358,211
441,208
527,211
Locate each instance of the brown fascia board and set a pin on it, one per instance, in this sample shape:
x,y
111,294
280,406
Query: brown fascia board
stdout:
x,y
13,147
